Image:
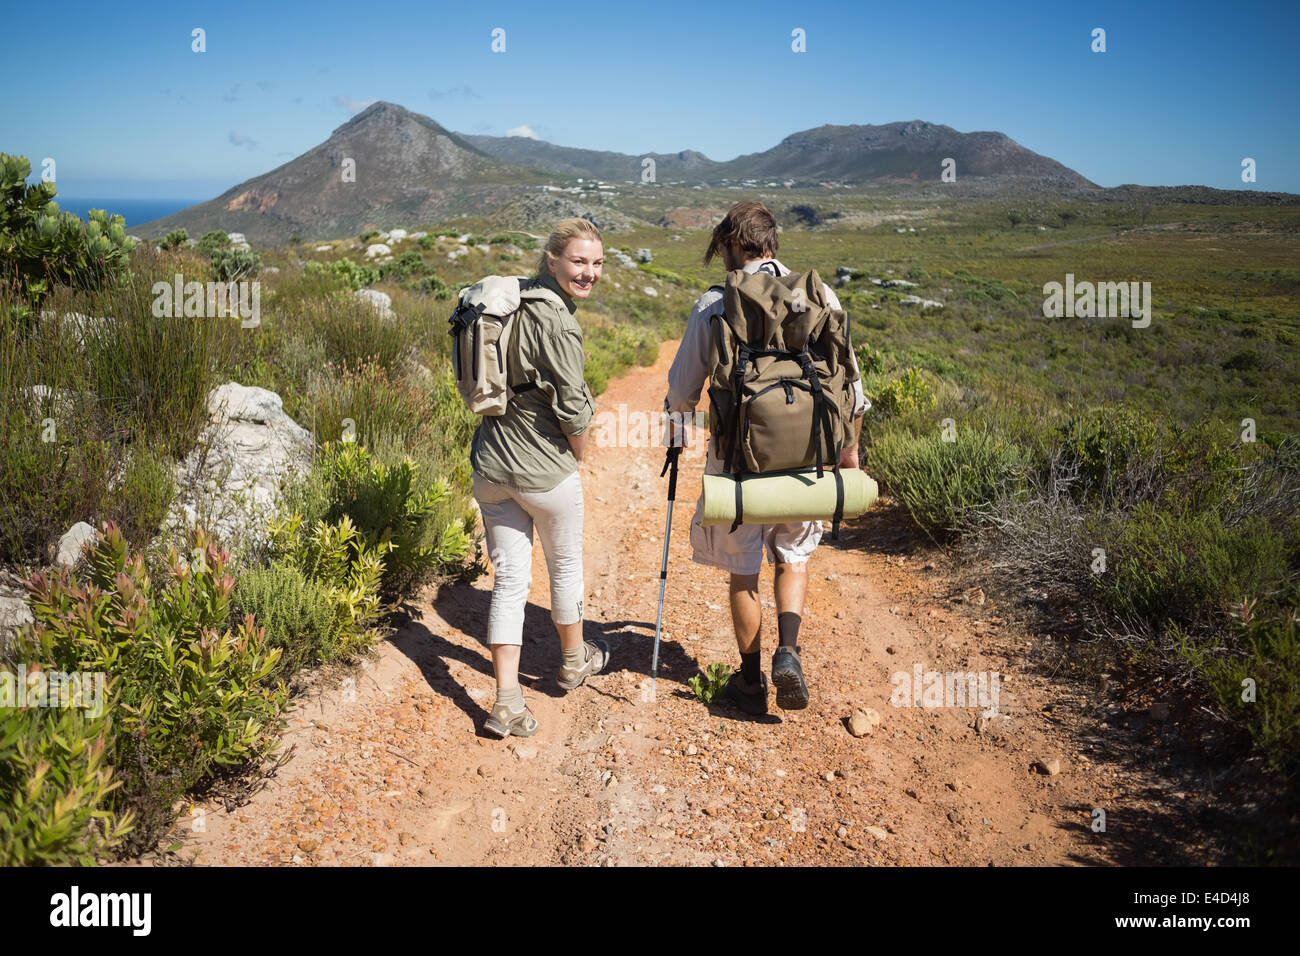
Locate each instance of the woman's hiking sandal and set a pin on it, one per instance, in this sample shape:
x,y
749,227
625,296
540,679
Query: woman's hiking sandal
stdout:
x,y
787,675
597,658
751,698
503,722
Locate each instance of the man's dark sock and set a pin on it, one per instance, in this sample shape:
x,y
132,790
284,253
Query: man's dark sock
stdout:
x,y
749,668
787,627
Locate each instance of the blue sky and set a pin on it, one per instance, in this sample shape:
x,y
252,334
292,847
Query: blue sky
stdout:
x,y
1184,91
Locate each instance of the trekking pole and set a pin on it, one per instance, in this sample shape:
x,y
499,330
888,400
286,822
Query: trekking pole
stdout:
x,y
670,462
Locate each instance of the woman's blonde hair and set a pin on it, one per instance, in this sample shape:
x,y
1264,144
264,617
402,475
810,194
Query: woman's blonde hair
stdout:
x,y
565,230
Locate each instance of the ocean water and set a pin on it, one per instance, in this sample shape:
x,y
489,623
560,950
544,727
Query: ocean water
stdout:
x,y
134,211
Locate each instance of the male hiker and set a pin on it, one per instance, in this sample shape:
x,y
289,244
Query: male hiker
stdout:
x,y
747,239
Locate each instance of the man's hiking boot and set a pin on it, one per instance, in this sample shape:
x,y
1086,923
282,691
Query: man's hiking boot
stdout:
x,y
503,722
597,658
787,675
751,698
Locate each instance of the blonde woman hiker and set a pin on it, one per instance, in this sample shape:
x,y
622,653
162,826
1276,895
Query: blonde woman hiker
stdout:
x,y
747,239
526,471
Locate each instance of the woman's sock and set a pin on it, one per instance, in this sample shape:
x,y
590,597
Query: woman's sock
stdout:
x,y
574,656
511,698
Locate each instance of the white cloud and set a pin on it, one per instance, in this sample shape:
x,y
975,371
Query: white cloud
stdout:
x,y
526,131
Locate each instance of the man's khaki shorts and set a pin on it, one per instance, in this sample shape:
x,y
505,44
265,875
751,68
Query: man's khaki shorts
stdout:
x,y
741,551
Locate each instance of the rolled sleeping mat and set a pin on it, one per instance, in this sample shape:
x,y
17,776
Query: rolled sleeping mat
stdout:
x,y
778,498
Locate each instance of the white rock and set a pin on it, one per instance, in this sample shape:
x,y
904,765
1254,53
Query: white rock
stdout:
x,y
234,238
917,300
382,301
463,239
324,248
898,284
396,235
483,248
377,249
863,721
418,235
650,290
230,480
14,610
68,552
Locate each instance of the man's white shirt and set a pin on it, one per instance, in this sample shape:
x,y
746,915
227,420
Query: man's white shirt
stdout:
x,y
690,368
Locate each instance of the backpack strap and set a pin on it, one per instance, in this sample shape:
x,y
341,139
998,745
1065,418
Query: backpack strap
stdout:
x,y
536,292
740,506
823,442
839,505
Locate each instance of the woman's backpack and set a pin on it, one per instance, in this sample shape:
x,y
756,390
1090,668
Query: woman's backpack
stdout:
x,y
480,340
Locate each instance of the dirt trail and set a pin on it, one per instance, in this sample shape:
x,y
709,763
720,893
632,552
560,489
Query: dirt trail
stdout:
x,y
395,769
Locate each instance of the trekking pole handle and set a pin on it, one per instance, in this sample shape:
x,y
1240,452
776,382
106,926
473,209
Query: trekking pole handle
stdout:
x,y
670,461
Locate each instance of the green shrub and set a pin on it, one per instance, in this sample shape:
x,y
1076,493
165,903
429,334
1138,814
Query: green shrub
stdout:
x,y
152,373
353,332
870,361
347,273
408,264
57,447
428,242
1267,659
368,235
1103,441
174,239
336,556
430,285
1165,566
212,243
194,699
712,684
231,265
388,506
907,394
946,484
685,281
144,494
41,246
54,783
310,621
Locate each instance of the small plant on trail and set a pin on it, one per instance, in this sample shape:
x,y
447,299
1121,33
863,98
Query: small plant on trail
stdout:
x,y
712,684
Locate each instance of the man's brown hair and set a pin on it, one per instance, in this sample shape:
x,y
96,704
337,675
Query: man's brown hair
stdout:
x,y
749,225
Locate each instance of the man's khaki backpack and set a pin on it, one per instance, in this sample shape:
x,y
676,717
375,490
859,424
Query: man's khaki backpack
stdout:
x,y
781,389
480,340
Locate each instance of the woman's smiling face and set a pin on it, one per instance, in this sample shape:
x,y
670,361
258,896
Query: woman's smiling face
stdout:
x,y
578,269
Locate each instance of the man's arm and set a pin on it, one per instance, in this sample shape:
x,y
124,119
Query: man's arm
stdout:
x,y
849,455
690,368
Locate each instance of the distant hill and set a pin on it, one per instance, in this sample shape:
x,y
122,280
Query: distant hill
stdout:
x,y
847,154
412,171
409,169
686,166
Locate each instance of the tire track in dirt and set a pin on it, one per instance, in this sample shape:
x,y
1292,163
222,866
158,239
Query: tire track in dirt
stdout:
x,y
391,766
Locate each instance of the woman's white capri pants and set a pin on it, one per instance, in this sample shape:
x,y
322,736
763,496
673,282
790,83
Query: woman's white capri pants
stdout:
x,y
508,520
